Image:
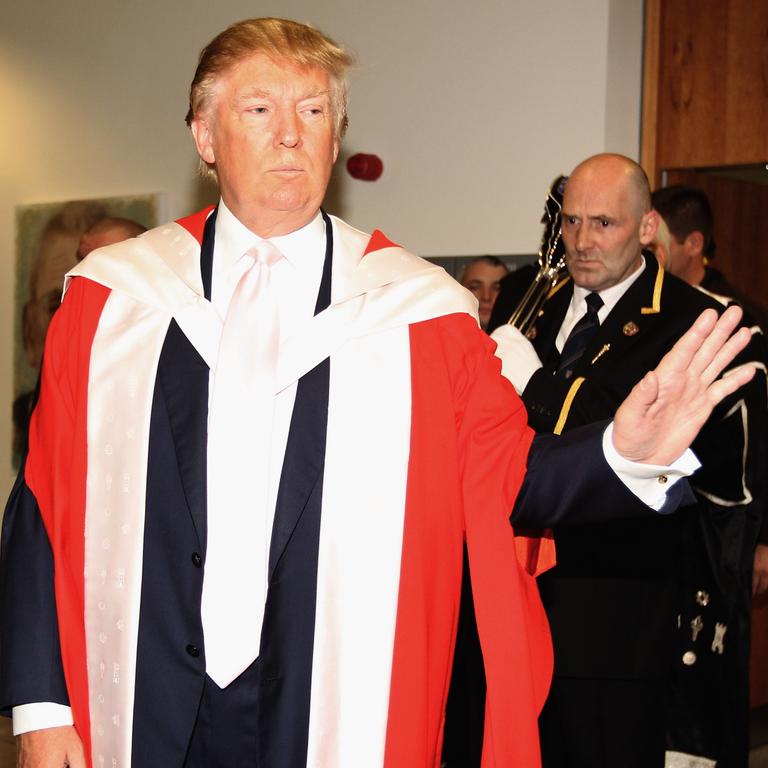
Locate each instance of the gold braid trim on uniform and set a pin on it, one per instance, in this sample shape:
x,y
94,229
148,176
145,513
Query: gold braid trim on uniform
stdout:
x,y
567,404
655,307
555,288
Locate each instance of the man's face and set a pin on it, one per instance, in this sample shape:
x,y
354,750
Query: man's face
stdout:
x,y
269,130
683,260
483,280
603,228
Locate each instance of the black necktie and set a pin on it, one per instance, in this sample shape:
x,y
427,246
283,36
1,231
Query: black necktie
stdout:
x,y
580,336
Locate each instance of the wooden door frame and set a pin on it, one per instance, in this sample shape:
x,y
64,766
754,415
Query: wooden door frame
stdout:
x,y
650,90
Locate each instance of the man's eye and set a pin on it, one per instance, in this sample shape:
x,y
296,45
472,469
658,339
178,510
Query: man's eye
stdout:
x,y
258,110
605,223
570,220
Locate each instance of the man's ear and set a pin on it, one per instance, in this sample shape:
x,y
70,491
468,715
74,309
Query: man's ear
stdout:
x,y
203,136
694,242
649,223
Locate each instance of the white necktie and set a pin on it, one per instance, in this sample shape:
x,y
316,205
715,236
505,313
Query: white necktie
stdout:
x,y
239,437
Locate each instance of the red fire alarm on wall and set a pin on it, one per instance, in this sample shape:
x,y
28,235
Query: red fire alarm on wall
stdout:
x,y
365,167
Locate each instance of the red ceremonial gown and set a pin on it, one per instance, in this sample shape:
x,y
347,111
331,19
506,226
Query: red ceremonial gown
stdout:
x,y
466,457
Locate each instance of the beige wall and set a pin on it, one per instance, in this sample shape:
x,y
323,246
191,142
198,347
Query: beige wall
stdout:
x,y
473,107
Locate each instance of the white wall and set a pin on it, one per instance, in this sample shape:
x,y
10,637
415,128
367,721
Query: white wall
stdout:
x,y
473,107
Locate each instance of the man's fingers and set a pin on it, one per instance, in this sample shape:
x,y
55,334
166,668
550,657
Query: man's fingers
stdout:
x,y
712,341
736,378
718,343
690,343
735,344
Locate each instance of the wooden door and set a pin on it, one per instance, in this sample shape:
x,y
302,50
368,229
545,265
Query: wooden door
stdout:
x,y
705,89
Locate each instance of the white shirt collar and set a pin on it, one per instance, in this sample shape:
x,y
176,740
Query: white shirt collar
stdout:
x,y
610,296
233,239
578,304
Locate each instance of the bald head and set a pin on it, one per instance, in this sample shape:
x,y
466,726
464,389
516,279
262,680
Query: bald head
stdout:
x,y
607,220
107,232
620,174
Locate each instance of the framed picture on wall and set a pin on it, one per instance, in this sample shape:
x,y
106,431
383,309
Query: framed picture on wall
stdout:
x,y
50,239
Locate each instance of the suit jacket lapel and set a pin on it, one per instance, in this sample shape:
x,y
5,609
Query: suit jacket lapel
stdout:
x,y
183,376
548,324
627,320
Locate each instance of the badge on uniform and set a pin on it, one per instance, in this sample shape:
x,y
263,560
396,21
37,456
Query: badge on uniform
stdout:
x,y
630,328
696,626
717,642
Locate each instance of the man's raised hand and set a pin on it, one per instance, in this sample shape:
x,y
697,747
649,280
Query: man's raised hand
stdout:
x,y
665,411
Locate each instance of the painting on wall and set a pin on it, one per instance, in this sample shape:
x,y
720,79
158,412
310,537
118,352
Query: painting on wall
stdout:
x,y
50,239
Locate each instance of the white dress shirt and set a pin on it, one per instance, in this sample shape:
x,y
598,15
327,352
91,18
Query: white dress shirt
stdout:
x,y
295,282
578,306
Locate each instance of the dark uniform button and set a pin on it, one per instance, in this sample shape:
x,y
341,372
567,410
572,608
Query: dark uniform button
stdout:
x,y
193,651
197,561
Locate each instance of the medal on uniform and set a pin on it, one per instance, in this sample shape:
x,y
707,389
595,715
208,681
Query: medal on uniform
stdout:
x,y
717,642
696,626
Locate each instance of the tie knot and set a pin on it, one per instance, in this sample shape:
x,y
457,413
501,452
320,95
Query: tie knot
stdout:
x,y
594,302
264,253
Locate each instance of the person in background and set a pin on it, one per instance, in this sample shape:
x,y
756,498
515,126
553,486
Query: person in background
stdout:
x,y
638,608
685,245
482,277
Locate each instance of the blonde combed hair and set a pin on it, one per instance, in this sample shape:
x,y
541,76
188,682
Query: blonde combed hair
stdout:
x,y
280,39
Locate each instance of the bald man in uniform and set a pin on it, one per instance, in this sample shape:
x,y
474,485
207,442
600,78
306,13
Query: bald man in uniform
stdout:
x,y
614,598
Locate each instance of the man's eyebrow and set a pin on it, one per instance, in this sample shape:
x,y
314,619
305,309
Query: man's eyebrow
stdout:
x,y
261,93
316,94
254,93
590,216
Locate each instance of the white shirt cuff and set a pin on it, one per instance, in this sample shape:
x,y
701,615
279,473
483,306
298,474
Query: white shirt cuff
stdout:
x,y
44,714
649,482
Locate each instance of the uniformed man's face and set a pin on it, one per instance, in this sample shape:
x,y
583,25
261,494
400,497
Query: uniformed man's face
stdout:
x,y
270,133
604,228
483,280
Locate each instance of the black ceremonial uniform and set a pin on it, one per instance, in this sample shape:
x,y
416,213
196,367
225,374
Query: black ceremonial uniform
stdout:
x,y
708,712
614,598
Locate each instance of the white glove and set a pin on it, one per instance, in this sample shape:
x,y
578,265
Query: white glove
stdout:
x,y
519,360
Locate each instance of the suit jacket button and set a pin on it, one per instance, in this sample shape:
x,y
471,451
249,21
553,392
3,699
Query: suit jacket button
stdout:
x,y
193,651
197,561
